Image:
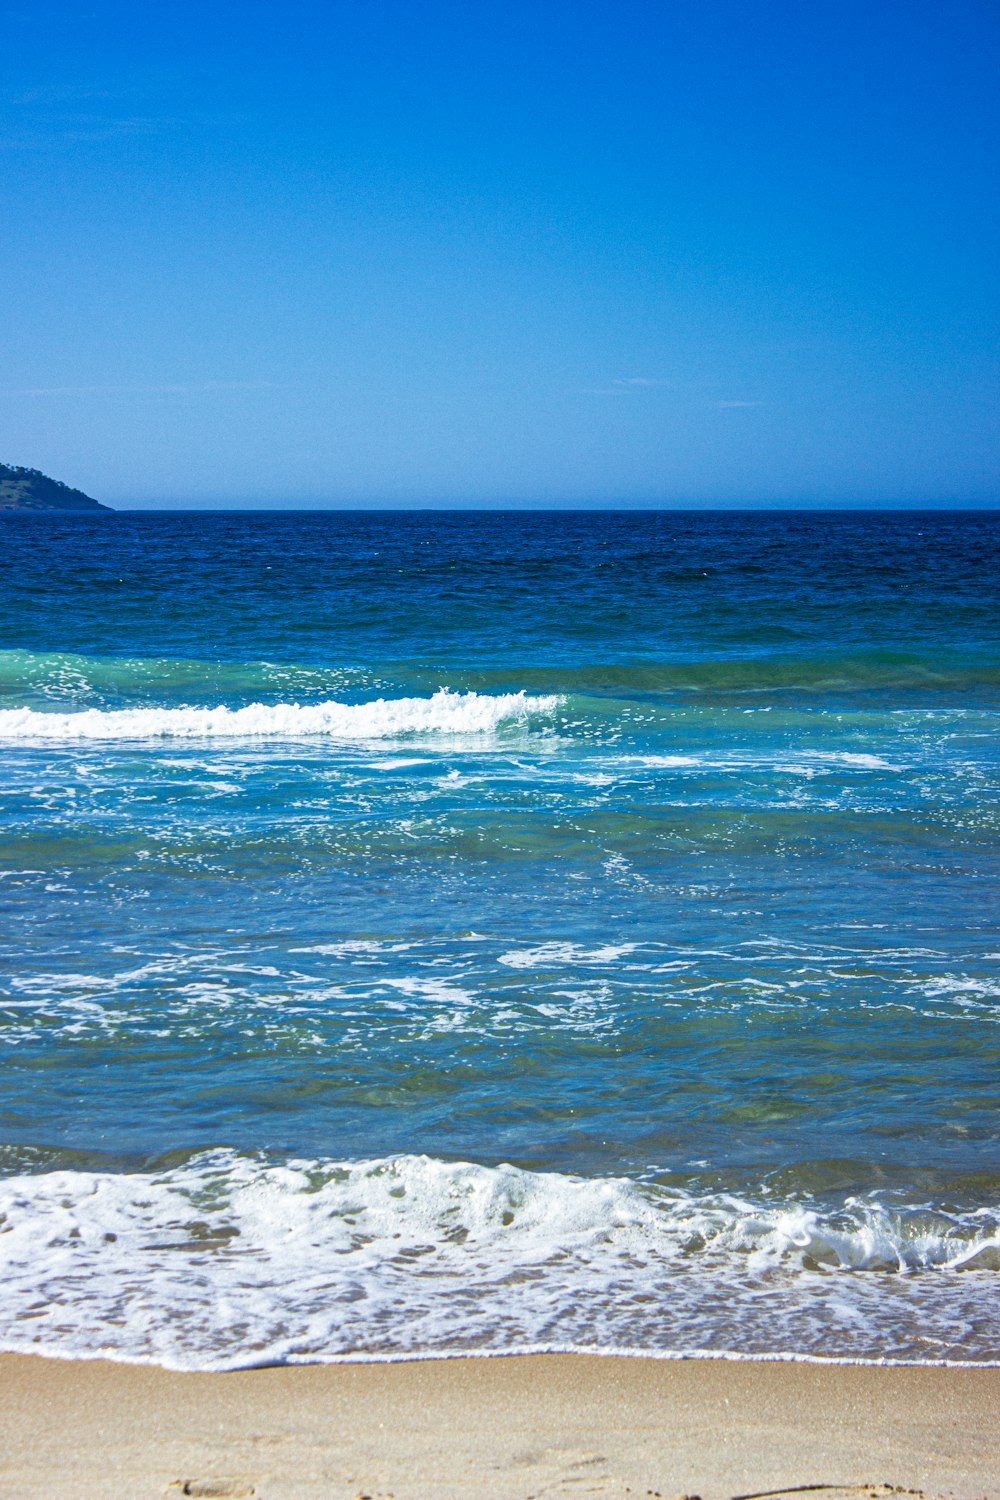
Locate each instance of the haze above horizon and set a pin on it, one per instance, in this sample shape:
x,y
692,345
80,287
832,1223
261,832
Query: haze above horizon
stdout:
x,y
680,254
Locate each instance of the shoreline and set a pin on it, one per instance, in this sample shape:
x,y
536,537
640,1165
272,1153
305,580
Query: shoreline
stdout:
x,y
531,1351
497,1428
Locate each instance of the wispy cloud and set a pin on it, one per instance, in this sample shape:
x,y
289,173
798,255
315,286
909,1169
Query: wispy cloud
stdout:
x,y
201,388
631,385
69,129
53,115
627,385
53,93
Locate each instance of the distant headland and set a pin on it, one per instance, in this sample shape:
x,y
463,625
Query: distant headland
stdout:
x,y
24,489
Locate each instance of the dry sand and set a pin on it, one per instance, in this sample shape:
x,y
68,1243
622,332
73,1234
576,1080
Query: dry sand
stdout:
x,y
499,1429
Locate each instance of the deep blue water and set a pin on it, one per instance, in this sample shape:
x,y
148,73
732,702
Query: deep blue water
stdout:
x,y
450,931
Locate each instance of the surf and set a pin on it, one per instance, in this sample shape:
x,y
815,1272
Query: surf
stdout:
x,y
445,712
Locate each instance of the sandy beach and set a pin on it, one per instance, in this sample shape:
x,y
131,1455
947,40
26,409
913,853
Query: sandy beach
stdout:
x,y
499,1429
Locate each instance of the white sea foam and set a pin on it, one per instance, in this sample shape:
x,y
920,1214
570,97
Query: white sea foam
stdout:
x,y
556,955
228,1260
862,762
386,718
795,762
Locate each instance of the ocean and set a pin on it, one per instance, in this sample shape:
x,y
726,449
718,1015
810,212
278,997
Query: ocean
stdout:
x,y
434,933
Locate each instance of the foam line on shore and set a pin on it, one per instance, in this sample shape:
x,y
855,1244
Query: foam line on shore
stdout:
x,y
225,1261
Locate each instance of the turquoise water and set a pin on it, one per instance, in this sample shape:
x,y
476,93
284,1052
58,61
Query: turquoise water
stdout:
x,y
426,933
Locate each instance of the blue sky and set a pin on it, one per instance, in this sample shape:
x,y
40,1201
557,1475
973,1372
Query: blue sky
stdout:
x,y
416,252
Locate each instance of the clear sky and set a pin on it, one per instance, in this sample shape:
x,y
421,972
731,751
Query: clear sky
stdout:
x,y
362,252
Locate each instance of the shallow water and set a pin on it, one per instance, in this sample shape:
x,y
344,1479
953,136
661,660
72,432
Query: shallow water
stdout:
x,y
439,932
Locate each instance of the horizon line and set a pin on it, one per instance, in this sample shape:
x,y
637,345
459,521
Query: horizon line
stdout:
x,y
549,508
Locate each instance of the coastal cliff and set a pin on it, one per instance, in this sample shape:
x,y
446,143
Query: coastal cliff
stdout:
x,y
24,489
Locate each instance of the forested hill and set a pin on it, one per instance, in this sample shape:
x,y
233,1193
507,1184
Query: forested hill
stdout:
x,y
31,490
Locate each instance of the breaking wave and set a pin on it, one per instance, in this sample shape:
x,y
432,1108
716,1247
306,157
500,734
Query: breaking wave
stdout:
x,y
225,1260
445,712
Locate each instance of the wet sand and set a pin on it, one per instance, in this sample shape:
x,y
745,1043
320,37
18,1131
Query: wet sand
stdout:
x,y
498,1429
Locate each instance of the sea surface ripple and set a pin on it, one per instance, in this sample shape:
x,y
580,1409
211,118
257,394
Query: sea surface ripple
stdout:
x,y
433,933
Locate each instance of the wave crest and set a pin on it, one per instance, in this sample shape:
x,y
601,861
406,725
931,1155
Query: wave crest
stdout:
x,y
445,712
224,1260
